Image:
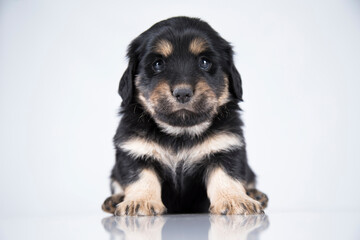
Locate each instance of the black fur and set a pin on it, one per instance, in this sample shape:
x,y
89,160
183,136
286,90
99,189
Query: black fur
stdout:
x,y
183,190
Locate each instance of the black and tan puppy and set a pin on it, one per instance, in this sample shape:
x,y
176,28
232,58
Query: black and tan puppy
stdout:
x,y
179,145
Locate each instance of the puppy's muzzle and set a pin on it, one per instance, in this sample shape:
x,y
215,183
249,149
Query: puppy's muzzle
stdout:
x,y
183,95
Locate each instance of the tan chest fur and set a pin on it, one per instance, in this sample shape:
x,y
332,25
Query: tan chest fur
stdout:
x,y
139,147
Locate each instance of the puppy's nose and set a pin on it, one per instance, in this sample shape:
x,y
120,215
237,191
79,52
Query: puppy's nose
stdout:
x,y
183,95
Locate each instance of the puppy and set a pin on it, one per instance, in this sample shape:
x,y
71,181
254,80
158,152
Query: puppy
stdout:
x,y
179,145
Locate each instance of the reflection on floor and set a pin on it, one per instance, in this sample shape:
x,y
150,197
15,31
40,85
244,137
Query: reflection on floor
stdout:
x,y
195,227
296,225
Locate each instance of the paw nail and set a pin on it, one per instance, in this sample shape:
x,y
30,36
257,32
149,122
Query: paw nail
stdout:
x,y
137,208
225,212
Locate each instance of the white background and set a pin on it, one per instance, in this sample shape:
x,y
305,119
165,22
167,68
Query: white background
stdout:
x,y
60,63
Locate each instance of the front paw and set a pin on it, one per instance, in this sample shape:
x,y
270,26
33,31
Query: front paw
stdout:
x,y
230,205
140,208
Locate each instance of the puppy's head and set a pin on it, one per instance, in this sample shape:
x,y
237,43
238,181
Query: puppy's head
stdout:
x,y
181,71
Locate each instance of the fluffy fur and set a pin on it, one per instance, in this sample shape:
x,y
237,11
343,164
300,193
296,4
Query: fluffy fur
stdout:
x,y
179,145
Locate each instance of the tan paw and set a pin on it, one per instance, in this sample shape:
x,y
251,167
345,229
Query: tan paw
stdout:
x,y
140,208
230,205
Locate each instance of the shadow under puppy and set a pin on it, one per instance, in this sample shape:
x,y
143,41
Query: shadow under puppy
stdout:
x,y
180,145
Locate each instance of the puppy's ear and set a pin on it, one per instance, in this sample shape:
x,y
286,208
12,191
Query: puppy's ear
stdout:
x,y
233,74
235,82
126,86
127,81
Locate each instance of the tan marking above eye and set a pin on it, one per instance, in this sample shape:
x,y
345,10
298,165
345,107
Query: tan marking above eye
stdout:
x,y
197,46
164,47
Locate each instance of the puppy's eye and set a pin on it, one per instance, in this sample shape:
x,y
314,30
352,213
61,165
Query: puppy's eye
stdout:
x,y
204,63
158,65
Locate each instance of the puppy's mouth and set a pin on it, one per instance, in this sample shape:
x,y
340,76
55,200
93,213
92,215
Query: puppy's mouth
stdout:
x,y
183,117
201,108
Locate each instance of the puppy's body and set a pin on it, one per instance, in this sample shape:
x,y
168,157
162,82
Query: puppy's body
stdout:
x,y
179,144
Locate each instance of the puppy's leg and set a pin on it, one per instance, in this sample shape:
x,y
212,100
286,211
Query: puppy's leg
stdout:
x,y
142,197
228,195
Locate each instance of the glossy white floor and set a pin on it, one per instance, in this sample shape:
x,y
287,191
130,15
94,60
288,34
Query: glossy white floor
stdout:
x,y
273,225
